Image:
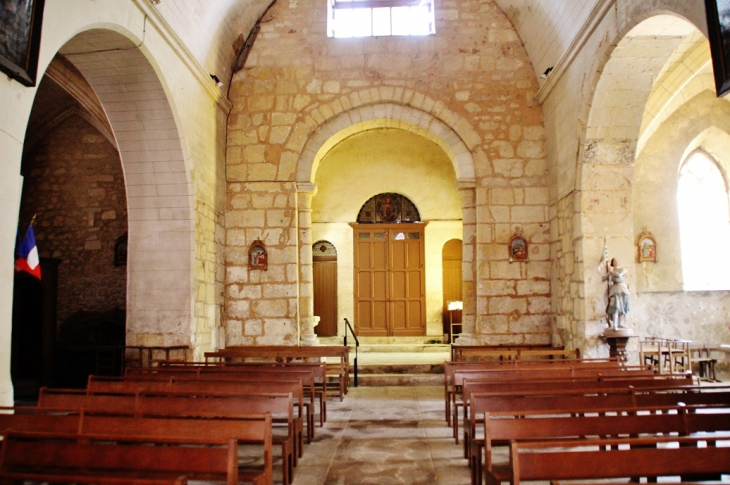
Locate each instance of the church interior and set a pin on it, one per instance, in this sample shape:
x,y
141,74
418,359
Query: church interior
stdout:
x,y
206,174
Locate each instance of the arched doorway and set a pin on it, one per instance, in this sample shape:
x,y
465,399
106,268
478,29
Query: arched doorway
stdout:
x,y
451,256
74,195
324,275
389,268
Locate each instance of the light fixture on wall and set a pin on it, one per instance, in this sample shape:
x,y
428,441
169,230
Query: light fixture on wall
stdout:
x,y
546,73
217,81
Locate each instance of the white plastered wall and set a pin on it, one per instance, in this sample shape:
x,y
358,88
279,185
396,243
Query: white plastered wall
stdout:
x,y
199,117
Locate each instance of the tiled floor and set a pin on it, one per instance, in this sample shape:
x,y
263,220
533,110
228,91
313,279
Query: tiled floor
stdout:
x,y
383,436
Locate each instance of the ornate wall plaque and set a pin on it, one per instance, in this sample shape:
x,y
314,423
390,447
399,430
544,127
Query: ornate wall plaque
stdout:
x,y
517,248
647,247
257,256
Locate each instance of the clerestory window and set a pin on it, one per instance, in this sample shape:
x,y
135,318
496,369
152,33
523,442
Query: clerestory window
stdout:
x,y
373,18
704,224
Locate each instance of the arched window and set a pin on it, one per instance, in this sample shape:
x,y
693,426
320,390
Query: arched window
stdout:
x,y
388,208
704,224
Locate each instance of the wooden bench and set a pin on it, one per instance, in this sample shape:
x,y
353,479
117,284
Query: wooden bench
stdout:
x,y
501,428
586,401
451,367
72,458
206,384
279,405
638,380
457,349
472,416
499,375
316,383
224,382
478,353
288,353
248,429
617,458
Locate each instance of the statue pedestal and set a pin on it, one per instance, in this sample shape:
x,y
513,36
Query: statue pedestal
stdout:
x,y
617,341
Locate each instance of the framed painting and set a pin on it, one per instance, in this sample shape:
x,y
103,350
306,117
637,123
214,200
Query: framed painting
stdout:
x,y
718,30
517,248
257,256
647,247
20,39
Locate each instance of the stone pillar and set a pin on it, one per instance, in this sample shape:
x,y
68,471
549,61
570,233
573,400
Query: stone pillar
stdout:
x,y
305,192
606,218
468,336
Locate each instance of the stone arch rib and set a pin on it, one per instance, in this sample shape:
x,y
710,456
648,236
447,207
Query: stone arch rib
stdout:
x,y
457,140
159,191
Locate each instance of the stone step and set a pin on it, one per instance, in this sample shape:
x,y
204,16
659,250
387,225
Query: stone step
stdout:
x,y
403,348
367,341
427,369
372,380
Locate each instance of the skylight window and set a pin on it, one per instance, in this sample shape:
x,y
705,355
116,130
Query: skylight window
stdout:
x,y
374,18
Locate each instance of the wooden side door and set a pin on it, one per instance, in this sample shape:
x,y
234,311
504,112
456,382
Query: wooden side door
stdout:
x,y
390,280
371,281
325,295
407,302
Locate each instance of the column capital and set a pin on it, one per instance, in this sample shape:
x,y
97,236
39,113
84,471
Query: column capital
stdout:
x,y
466,183
307,187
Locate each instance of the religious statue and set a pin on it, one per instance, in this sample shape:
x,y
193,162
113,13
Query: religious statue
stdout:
x,y
618,294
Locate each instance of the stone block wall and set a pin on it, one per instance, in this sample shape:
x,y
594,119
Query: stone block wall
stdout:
x,y
74,183
473,76
261,306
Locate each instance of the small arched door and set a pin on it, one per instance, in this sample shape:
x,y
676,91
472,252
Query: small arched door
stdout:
x,y
324,275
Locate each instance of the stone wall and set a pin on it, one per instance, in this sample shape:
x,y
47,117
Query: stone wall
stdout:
x,y
473,76
74,183
261,306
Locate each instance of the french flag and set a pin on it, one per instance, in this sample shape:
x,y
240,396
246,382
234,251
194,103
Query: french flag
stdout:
x,y
27,255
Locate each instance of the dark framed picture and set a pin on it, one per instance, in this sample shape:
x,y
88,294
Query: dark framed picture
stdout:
x,y
20,38
718,30
517,248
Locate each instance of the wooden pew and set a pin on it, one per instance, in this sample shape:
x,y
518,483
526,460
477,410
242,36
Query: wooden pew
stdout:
x,y
501,428
237,385
223,382
561,372
599,459
588,401
316,384
451,367
456,349
570,384
287,353
279,405
72,458
477,353
249,429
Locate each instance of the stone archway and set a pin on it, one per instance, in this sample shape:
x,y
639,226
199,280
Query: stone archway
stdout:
x,y
386,115
605,170
158,185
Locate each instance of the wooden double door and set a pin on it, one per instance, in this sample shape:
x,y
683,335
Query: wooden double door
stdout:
x,y
390,280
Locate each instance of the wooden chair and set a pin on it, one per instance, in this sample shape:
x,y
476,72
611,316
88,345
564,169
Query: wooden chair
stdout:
x,y
703,357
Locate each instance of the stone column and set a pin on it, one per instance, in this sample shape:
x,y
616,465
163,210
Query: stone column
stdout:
x,y
468,336
606,218
305,192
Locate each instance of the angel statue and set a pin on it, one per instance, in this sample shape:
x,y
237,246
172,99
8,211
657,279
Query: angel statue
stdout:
x,y
618,294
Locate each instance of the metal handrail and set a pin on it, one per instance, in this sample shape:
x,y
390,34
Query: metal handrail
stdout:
x,y
357,344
